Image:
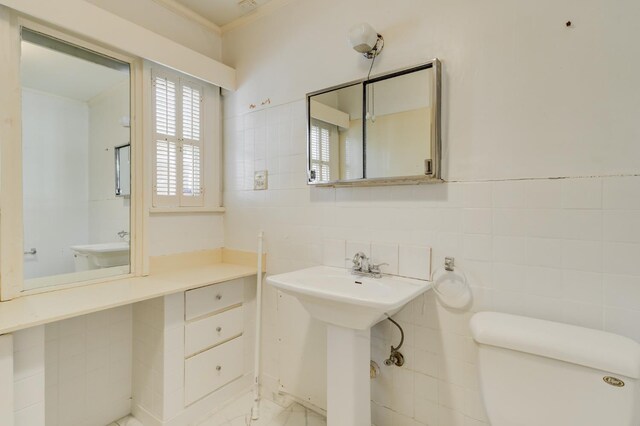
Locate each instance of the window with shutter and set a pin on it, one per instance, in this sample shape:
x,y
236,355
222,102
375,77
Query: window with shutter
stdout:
x,y
320,155
177,111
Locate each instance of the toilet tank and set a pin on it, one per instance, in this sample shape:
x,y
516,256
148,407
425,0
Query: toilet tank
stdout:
x,y
541,373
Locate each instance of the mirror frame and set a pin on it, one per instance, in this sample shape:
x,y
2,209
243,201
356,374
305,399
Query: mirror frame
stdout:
x,y
118,170
436,133
11,221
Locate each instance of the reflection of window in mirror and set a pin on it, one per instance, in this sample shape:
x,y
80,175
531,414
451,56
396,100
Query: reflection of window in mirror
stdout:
x,y
335,135
73,100
320,150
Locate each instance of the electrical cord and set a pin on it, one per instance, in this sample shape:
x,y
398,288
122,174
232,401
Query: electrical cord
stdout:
x,y
373,61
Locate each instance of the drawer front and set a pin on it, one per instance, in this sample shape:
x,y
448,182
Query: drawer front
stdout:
x,y
203,301
212,369
207,332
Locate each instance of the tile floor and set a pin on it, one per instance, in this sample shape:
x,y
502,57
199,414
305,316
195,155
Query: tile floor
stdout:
x,y
126,421
238,412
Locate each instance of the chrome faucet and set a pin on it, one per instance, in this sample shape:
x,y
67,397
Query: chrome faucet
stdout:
x,y
362,266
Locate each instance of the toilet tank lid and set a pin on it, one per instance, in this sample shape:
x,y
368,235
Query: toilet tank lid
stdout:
x,y
578,345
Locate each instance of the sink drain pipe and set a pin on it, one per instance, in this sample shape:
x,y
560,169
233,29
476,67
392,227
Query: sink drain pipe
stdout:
x,y
255,410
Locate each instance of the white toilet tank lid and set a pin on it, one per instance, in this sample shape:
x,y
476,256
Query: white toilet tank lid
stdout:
x,y
578,345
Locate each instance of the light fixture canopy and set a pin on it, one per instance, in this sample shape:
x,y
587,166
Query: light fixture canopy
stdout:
x,y
364,39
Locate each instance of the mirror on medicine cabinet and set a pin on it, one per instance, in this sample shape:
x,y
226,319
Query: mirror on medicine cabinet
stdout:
x,y
74,105
379,131
123,170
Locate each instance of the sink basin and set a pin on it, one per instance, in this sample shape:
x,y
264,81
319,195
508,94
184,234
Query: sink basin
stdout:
x,y
350,305
336,296
97,256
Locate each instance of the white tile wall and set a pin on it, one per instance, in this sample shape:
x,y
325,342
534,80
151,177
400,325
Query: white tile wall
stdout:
x,y
46,145
6,378
29,377
108,214
559,249
88,362
388,253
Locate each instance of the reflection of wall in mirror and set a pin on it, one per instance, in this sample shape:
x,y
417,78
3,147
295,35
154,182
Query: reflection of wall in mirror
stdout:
x,y
68,169
398,144
108,214
403,93
55,170
351,158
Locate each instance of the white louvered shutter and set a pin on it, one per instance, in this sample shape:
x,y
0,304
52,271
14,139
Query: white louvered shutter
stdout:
x,y
320,155
178,138
192,193
166,141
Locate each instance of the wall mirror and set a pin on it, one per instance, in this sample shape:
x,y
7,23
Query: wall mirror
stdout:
x,y
73,100
123,170
380,131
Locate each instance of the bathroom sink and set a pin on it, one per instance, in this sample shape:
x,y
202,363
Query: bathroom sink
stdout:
x,y
105,255
336,296
350,305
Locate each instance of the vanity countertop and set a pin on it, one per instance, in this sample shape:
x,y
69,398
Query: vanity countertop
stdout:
x,y
37,309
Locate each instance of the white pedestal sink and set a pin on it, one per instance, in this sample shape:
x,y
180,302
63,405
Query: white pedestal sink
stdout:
x,y
350,305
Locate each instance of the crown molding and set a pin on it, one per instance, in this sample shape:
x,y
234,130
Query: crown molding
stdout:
x,y
185,12
258,13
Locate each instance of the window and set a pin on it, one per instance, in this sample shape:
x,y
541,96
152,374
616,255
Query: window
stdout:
x,y
177,112
320,141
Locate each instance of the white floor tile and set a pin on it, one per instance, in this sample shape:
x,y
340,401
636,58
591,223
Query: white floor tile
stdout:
x,y
238,412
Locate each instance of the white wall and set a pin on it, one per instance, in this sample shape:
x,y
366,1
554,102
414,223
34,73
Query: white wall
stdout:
x,y
108,214
523,99
88,373
56,190
159,19
29,377
518,84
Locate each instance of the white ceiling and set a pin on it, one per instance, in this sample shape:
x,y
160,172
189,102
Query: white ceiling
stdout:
x,y
65,75
220,12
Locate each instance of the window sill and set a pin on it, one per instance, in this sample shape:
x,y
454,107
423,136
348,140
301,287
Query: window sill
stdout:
x,y
183,210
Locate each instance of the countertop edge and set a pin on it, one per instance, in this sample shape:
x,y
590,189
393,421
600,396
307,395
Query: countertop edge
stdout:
x,y
38,309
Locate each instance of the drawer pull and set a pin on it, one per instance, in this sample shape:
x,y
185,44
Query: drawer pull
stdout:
x,y
218,296
218,329
218,368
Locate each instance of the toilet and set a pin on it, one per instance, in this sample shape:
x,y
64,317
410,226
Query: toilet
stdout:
x,y
542,373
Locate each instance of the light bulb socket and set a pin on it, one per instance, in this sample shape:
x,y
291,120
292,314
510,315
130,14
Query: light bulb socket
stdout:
x,y
376,49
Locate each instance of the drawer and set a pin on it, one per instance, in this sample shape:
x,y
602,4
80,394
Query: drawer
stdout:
x,y
204,333
205,300
212,369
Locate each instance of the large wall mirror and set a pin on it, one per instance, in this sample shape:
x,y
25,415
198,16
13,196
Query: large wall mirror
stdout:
x,y
75,112
379,131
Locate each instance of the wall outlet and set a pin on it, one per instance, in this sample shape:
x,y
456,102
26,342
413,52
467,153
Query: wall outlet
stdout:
x,y
260,180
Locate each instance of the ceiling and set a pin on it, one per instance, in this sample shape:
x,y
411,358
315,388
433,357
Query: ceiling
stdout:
x,y
221,12
64,75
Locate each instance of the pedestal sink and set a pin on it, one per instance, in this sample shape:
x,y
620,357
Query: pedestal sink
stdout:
x,y
350,305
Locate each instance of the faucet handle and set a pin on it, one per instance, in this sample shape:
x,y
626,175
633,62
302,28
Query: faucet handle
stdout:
x,y
376,267
358,258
